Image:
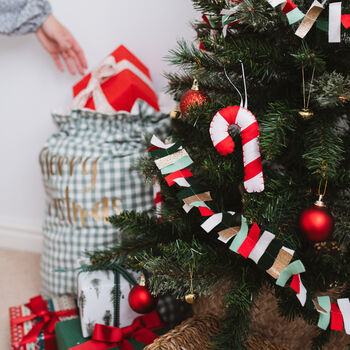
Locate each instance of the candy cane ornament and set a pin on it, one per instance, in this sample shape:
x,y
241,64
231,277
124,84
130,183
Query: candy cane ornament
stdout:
x,y
222,141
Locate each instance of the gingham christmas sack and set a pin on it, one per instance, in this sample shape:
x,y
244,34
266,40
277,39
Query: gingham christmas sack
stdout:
x,y
89,173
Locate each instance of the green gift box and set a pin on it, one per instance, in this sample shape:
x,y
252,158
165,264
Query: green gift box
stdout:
x,y
69,334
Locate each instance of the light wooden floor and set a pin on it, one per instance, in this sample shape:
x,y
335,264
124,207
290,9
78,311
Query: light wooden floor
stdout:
x,y
19,281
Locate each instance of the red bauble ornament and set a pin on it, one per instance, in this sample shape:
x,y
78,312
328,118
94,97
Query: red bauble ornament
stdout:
x,y
192,97
141,300
316,223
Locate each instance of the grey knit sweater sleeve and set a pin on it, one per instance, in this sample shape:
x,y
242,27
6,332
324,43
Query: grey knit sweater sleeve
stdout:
x,y
22,16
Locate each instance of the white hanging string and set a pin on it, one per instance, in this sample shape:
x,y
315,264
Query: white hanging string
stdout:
x,y
245,105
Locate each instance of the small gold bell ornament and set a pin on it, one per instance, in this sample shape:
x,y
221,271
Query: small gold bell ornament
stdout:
x,y
190,298
306,113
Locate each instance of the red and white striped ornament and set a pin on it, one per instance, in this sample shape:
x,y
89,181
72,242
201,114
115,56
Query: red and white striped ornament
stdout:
x,y
222,141
157,198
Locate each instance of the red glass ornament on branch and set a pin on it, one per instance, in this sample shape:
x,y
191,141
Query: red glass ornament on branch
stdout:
x,y
140,298
316,223
192,97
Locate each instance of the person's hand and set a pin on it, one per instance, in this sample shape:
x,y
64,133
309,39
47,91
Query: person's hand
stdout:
x,y
58,41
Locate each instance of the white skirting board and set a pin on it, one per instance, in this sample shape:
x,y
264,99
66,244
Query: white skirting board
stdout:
x,y
18,237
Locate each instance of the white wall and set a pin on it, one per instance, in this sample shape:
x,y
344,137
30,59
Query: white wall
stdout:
x,y
31,86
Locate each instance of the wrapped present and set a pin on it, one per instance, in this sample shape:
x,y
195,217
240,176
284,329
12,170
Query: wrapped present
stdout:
x,y
115,85
143,330
103,298
33,324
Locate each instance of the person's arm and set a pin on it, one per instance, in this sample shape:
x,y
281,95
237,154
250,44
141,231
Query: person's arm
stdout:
x,y
19,17
28,16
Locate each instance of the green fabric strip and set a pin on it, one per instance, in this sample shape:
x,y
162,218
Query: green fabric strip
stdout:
x,y
211,21
199,204
309,303
295,16
160,153
270,255
322,24
240,237
190,191
182,163
324,319
292,269
226,19
226,222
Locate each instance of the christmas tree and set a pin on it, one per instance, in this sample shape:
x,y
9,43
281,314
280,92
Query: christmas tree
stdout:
x,y
295,68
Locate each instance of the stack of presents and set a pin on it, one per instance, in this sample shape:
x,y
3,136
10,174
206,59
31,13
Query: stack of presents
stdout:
x,y
89,174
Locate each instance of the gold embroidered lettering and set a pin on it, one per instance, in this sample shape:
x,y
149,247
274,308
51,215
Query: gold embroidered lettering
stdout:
x,y
82,213
114,205
51,164
95,210
41,160
93,169
68,206
59,165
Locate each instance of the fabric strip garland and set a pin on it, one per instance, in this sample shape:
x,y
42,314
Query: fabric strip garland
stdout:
x,y
332,26
265,250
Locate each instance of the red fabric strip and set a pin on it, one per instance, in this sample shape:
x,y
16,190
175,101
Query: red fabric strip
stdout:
x,y
158,198
230,114
289,6
201,46
176,174
226,146
153,147
252,169
336,318
205,211
345,19
250,133
206,20
250,242
295,283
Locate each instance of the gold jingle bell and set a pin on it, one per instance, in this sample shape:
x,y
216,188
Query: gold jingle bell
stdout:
x,y
190,298
306,113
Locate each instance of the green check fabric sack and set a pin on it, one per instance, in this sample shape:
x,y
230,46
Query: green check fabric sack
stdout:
x,y
89,174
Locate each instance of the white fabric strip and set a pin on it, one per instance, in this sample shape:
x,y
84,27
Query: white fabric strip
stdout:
x,y
187,207
275,3
170,159
251,151
334,27
260,247
288,250
344,306
222,239
218,129
302,294
255,184
182,182
158,143
244,118
213,221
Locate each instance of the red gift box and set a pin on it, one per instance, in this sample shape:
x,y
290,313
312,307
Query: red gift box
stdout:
x,y
33,324
115,84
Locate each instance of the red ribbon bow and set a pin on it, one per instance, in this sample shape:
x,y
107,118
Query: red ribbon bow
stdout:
x,y
47,321
107,337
